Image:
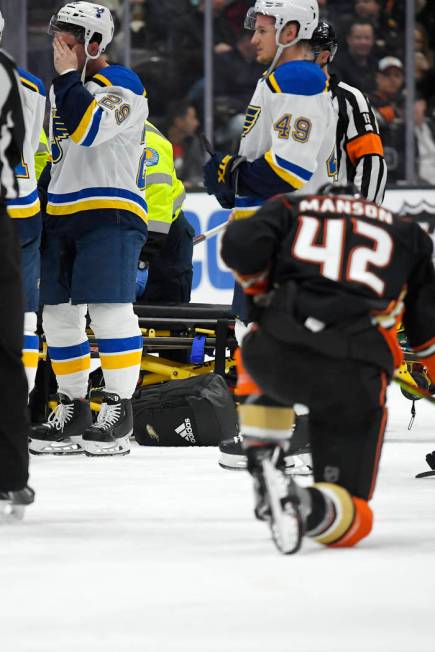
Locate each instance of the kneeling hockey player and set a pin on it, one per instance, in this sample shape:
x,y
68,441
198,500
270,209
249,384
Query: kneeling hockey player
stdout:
x,y
328,279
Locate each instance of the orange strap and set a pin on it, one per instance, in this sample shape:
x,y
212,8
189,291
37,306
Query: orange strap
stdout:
x,y
363,146
361,526
389,334
245,384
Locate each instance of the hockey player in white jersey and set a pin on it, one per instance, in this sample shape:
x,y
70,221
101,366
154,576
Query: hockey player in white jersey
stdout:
x,y
288,139
25,211
95,227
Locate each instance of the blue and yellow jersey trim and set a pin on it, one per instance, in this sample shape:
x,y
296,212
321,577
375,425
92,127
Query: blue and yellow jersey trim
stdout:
x,y
116,75
298,78
31,82
295,175
24,207
91,199
87,129
245,207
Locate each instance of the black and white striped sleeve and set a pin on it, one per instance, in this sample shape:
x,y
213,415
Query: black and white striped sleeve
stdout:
x,y
12,129
363,145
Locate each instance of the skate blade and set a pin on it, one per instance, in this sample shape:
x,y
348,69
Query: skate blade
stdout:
x,y
233,462
10,513
299,470
285,522
426,474
65,447
120,446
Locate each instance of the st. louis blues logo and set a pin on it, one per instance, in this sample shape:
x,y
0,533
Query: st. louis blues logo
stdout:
x,y
251,117
99,11
60,132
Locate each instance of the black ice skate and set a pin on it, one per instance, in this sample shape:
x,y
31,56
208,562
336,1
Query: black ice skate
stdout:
x,y
62,433
276,498
110,434
13,504
232,456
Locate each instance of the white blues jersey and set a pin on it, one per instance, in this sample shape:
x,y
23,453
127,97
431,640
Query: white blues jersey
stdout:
x,y
288,137
26,205
97,140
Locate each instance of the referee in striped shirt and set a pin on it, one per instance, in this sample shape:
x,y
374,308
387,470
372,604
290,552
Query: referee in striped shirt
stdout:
x,y
360,154
14,427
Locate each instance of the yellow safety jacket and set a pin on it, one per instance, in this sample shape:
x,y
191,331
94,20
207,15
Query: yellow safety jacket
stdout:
x,y
164,193
42,155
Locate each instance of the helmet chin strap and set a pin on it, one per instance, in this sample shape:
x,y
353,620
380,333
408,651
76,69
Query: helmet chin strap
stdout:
x,y
280,49
89,57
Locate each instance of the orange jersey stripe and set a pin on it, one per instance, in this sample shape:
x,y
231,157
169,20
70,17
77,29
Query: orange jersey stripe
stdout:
x,y
389,335
363,146
424,346
245,384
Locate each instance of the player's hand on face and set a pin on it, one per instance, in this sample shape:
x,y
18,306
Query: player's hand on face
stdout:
x,y
64,58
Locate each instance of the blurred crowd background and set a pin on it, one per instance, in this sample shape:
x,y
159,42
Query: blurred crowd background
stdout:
x,y
165,42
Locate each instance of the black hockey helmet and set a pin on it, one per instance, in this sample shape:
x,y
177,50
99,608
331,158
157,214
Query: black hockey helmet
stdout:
x,y
324,38
348,189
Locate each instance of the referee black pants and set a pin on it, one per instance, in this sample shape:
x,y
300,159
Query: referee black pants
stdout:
x,y
346,399
14,427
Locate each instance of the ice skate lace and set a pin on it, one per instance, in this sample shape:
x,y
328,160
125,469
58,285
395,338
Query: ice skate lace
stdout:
x,y
108,415
60,416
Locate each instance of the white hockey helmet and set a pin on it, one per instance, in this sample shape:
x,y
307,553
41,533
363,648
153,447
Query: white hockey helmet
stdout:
x,y
304,12
2,25
92,18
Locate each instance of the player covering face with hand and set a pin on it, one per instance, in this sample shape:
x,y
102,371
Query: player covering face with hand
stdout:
x,y
95,228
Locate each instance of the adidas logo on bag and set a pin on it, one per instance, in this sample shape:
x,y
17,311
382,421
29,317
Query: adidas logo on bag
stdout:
x,y
185,431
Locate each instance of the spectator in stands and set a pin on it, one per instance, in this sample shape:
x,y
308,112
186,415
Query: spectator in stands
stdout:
x,y
426,17
356,64
424,61
182,127
373,12
233,13
388,103
425,143
233,91
185,33
236,73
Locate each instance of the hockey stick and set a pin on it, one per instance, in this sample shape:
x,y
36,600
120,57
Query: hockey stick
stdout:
x,y
206,144
209,234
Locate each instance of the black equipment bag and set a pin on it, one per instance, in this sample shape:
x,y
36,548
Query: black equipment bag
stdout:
x,y
196,411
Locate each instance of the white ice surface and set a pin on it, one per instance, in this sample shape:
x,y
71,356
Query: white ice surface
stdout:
x,y
158,552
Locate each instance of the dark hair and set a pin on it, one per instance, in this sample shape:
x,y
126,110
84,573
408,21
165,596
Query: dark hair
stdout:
x,y
177,109
360,21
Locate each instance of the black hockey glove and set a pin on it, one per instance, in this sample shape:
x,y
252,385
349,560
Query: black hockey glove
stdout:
x,y
220,174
